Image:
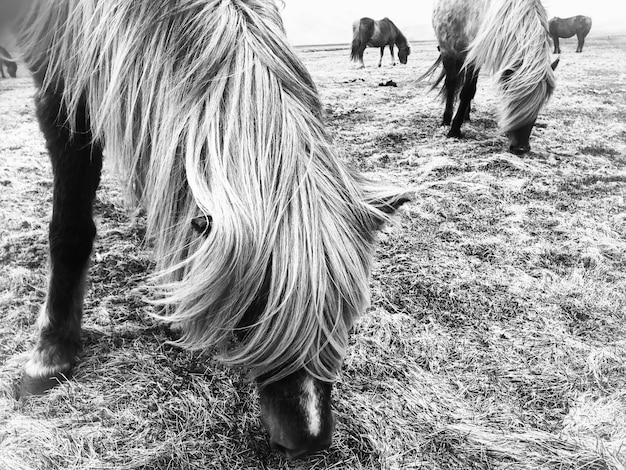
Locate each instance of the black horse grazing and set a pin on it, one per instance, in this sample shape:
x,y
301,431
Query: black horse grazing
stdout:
x,y
367,32
7,61
263,236
509,38
567,27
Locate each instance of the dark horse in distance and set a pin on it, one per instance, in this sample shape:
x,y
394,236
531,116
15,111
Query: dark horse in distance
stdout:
x,y
509,38
567,27
7,61
263,237
367,32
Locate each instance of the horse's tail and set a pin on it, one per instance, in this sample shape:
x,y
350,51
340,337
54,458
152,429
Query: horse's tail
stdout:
x,y
212,113
587,28
358,46
431,71
513,43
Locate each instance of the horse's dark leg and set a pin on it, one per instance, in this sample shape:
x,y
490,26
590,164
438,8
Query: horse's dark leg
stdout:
x,y
581,42
382,52
472,92
2,68
76,164
467,94
557,47
451,70
393,59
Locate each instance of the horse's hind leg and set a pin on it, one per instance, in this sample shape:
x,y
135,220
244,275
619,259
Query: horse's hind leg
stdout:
x,y
393,59
581,42
451,69
467,94
76,164
2,68
360,55
557,47
382,52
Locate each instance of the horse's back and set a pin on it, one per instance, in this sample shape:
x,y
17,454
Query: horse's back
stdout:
x,y
456,23
379,33
568,27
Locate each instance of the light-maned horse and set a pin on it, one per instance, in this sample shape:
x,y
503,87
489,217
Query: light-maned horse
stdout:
x,y
7,61
567,27
384,33
508,38
263,236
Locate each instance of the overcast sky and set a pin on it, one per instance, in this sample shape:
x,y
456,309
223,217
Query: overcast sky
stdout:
x,y
330,21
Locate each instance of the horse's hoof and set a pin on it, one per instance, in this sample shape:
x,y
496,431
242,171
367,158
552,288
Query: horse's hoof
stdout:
x,y
30,386
446,122
455,133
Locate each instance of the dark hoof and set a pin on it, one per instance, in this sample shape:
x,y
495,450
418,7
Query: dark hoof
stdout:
x,y
455,133
39,385
519,150
446,122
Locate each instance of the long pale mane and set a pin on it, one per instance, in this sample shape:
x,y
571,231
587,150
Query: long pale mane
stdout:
x,y
513,44
207,109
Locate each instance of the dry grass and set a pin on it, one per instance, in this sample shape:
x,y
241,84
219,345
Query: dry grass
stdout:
x,y
497,334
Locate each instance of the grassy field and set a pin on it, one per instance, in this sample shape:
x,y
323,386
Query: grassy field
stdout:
x,y
497,332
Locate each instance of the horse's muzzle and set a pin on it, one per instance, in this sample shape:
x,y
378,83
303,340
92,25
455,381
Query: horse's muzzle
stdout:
x,y
297,415
292,452
519,150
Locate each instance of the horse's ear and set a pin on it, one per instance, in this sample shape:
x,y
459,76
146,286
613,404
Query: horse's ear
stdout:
x,y
555,63
389,205
202,224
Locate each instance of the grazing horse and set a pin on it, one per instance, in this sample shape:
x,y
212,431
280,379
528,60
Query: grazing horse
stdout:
x,y
510,39
567,27
7,61
367,32
263,236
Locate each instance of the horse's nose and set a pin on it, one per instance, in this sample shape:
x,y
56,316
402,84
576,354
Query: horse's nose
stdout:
x,y
519,149
291,449
297,414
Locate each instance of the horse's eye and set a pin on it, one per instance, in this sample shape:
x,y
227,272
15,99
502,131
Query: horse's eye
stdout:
x,y
506,74
202,224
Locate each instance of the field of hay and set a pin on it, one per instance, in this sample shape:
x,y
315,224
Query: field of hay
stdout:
x,y
497,332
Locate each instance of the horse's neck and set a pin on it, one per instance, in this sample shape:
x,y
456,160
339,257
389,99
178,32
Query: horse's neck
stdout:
x,y
400,39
